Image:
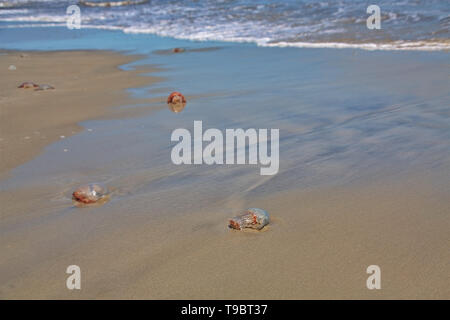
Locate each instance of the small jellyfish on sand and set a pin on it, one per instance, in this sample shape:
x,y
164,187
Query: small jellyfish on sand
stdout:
x,y
253,218
28,85
176,102
178,50
90,193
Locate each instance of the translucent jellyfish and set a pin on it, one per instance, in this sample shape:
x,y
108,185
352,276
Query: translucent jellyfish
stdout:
x,y
90,193
253,218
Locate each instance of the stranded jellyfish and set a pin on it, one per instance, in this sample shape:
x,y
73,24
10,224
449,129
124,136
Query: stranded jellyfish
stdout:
x,y
178,50
252,218
176,102
28,85
90,193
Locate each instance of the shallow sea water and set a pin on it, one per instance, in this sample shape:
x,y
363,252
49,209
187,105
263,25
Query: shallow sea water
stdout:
x,y
343,115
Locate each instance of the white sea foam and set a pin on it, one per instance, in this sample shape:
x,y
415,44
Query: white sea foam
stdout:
x,y
13,11
276,23
42,18
395,45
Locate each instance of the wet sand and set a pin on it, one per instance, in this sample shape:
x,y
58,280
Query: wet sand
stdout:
x,y
318,246
161,246
88,85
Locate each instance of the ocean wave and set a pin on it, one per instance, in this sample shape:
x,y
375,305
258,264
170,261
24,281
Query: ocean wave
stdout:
x,y
387,46
406,25
42,18
33,25
13,11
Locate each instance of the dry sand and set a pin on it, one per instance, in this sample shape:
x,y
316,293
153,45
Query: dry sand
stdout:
x,y
319,243
87,85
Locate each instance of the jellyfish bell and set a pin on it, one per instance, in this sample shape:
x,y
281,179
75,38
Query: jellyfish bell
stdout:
x,y
175,97
252,218
90,194
176,102
178,50
28,85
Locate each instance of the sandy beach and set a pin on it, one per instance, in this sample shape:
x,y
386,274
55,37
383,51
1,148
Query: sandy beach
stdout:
x,y
88,85
173,244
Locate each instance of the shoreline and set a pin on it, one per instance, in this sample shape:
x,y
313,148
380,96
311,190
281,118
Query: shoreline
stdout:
x,y
164,235
89,85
